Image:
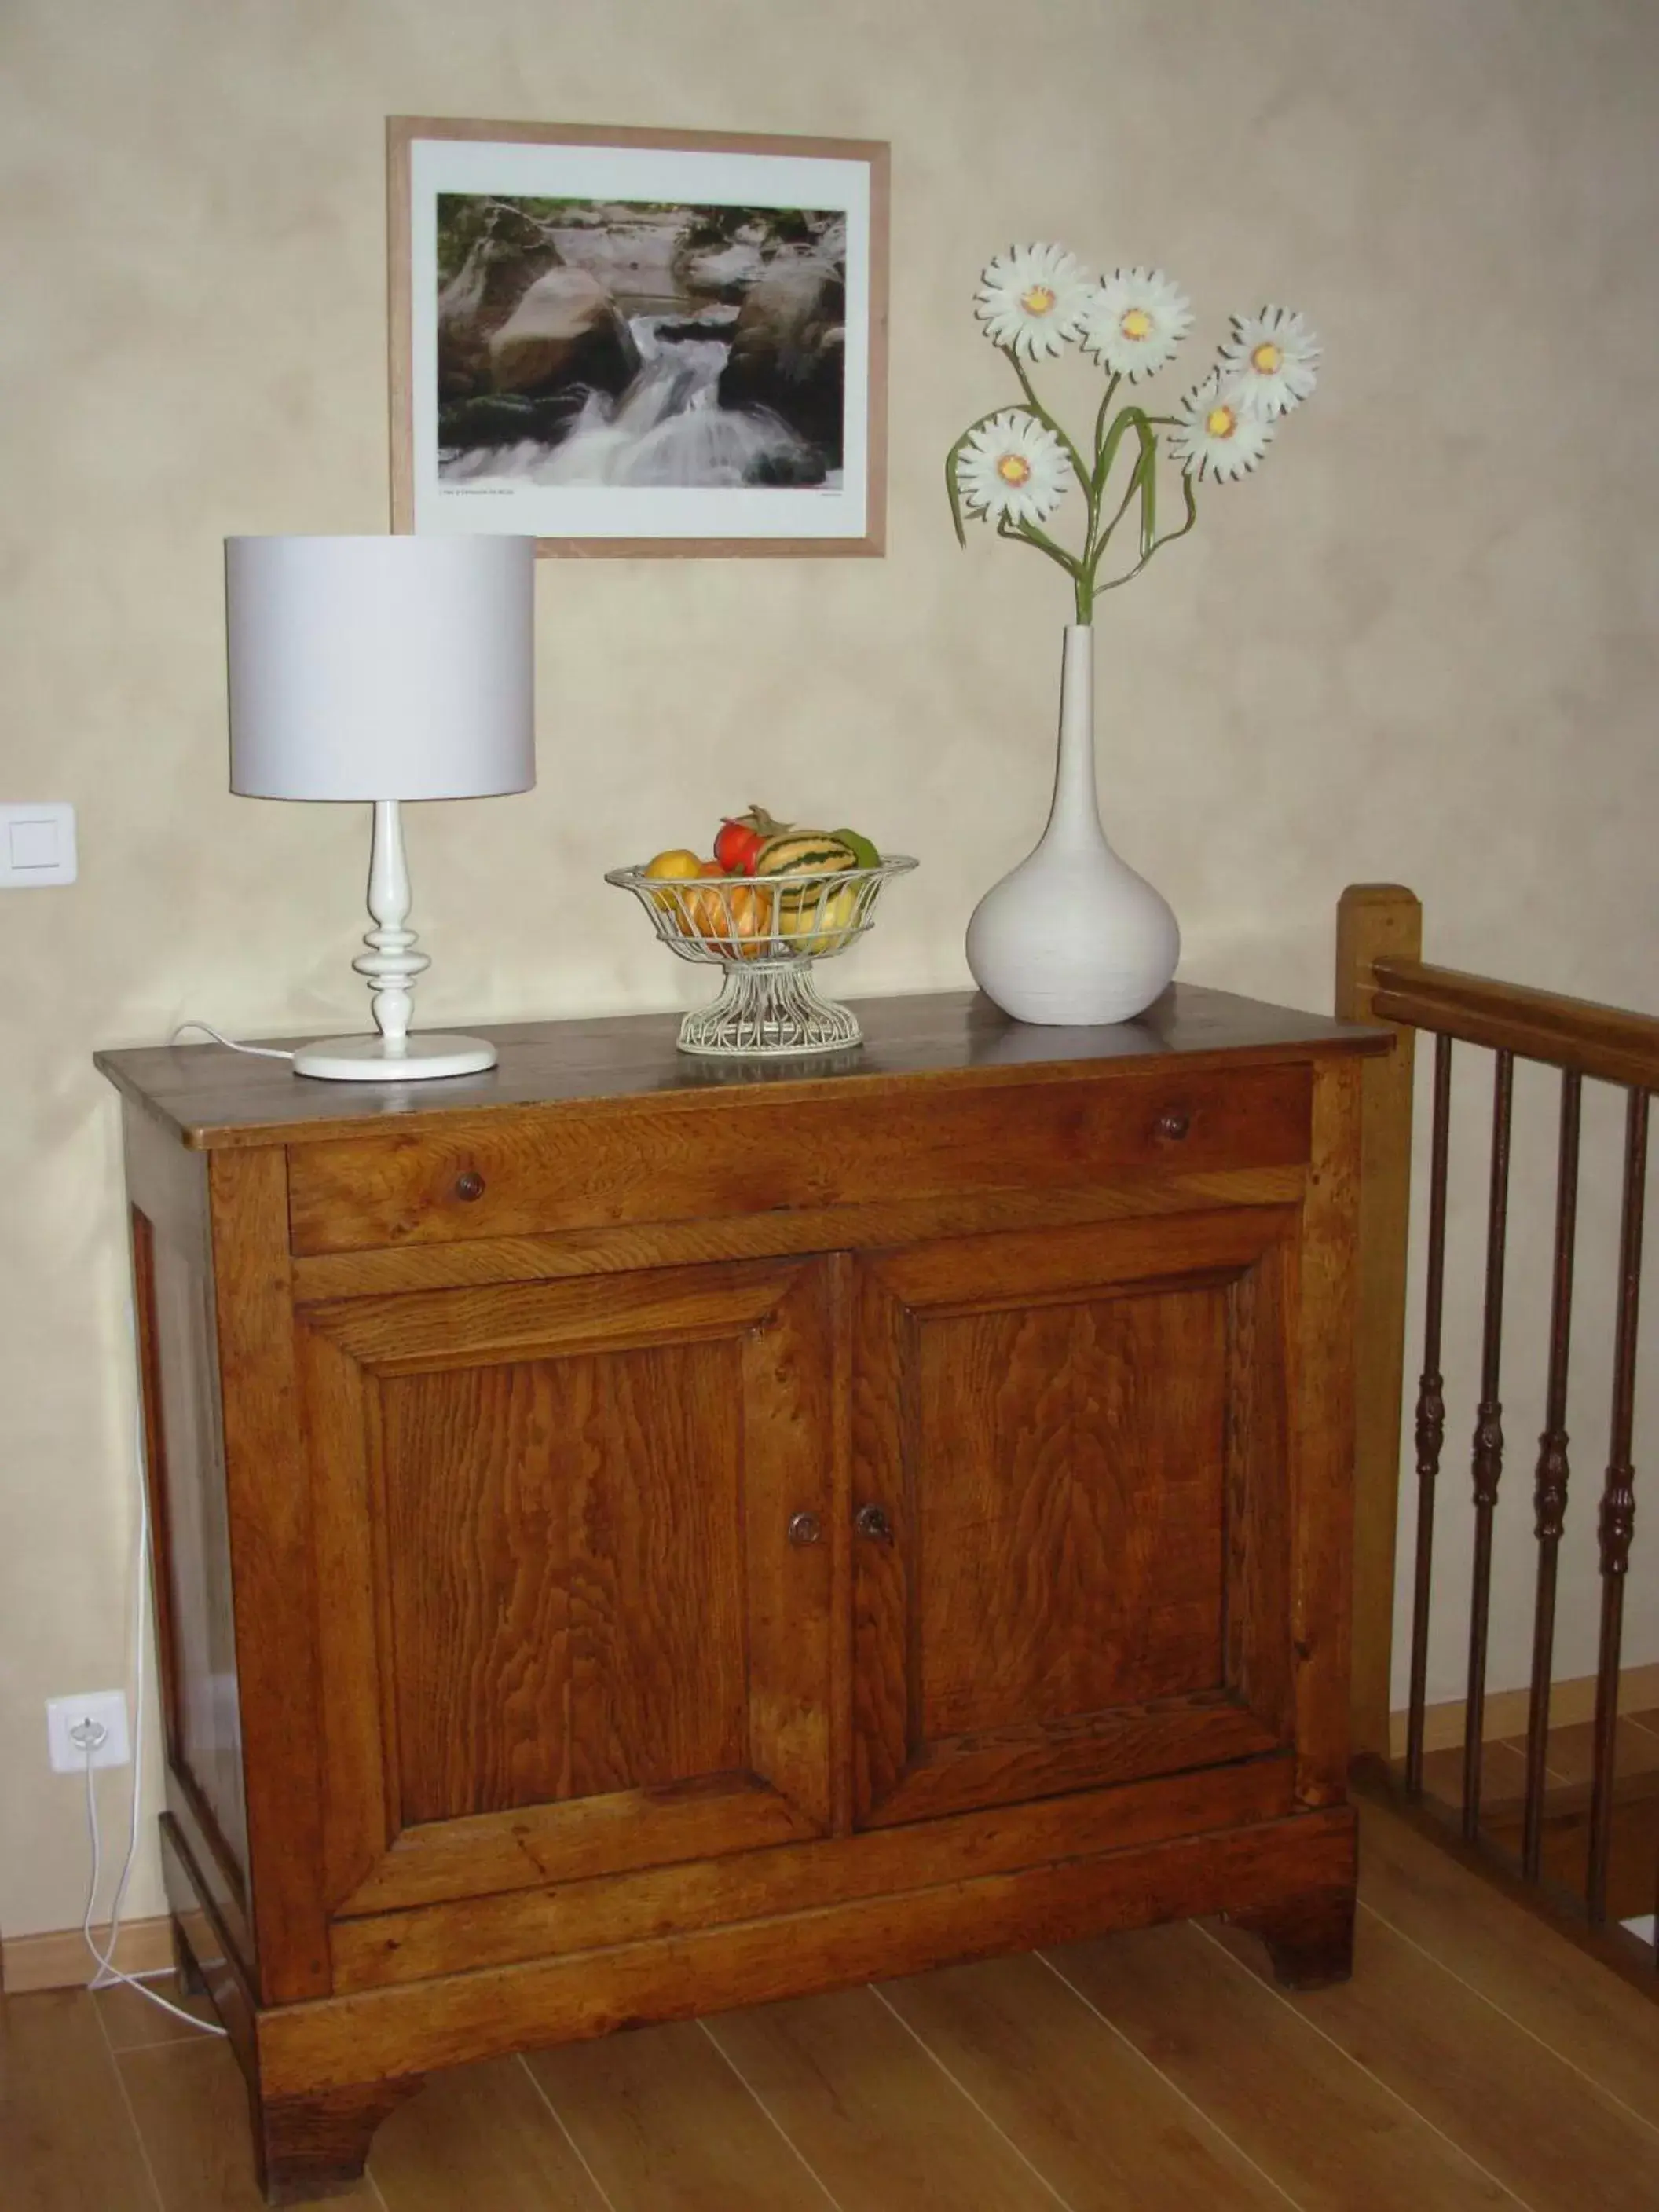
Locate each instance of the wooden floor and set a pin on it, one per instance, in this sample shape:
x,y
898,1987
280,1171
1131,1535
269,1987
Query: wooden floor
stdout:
x,y
1475,2059
1633,1857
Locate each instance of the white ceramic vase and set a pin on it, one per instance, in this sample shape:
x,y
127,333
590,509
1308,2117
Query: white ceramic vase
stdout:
x,y
1073,936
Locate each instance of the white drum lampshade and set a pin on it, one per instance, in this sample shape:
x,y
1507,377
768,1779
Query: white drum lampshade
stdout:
x,y
379,670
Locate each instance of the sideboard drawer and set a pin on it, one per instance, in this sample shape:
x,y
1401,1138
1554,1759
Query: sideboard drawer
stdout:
x,y
725,1154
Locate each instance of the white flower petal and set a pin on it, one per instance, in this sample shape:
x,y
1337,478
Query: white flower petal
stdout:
x,y
1030,298
1273,357
1218,433
1133,321
1014,468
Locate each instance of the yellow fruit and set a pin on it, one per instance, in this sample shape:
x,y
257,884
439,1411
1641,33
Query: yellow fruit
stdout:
x,y
699,908
675,866
733,919
701,913
751,921
830,923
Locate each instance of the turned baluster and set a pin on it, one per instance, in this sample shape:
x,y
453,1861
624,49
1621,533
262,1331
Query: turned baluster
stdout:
x,y
1488,1456
1618,1518
1551,1490
1431,1416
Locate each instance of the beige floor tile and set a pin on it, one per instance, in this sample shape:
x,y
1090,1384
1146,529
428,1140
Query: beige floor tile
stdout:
x,y
1546,2129
191,2106
480,2139
1333,2137
871,2112
67,2141
1085,2108
666,2126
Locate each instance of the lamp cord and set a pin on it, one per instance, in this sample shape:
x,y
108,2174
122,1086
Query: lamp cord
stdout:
x,y
108,1973
258,1051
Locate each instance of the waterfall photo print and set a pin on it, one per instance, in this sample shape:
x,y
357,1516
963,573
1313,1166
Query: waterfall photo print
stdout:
x,y
633,342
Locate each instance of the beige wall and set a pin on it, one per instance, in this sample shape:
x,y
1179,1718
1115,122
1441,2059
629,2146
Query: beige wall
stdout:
x,y
1421,645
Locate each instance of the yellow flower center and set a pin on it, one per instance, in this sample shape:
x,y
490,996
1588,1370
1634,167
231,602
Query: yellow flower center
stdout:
x,y
1268,360
1137,324
1014,469
1037,300
1220,423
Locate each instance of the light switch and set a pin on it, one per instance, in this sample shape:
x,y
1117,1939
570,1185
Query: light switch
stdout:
x,y
37,844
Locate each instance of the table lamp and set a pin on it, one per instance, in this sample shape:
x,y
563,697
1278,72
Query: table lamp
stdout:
x,y
382,669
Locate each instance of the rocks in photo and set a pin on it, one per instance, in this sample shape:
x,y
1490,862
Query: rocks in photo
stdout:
x,y
509,252
564,330
721,271
788,348
505,418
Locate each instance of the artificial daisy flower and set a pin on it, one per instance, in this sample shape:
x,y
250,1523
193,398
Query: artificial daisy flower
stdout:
x,y
1029,299
1134,321
1274,358
1218,433
1011,467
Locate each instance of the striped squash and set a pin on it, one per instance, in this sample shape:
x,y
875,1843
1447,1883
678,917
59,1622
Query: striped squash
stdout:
x,y
802,852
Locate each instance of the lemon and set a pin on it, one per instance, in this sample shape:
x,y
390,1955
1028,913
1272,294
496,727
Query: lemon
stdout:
x,y
674,865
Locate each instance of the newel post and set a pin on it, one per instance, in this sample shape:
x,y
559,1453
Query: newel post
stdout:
x,y
1374,920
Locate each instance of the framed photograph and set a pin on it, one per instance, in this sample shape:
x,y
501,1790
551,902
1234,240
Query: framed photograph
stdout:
x,y
638,342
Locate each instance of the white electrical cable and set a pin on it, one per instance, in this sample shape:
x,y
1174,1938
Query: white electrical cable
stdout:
x,y
258,1051
108,1976
108,1973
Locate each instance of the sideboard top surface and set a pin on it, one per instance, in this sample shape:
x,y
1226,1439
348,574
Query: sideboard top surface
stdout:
x,y
212,1097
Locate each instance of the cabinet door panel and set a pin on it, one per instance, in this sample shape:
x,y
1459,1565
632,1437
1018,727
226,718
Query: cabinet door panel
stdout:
x,y
1084,1443
1077,1442
562,1541
561,1554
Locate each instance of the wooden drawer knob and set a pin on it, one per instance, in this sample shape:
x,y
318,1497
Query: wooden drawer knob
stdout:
x,y
1174,1123
469,1186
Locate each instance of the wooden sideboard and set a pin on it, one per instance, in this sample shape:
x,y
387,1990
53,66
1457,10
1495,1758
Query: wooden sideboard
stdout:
x,y
635,1535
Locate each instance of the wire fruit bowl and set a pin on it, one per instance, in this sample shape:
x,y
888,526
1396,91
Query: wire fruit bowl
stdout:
x,y
764,934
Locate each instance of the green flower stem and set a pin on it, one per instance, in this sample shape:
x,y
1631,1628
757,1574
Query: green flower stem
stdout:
x,y
1158,544
1123,505
1033,536
1125,418
1028,533
1045,418
1143,480
1108,436
1148,495
1100,430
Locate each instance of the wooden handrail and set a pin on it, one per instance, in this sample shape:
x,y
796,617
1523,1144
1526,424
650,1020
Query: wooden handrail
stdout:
x,y
1607,1043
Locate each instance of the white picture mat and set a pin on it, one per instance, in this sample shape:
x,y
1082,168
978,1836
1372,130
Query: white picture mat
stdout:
x,y
676,176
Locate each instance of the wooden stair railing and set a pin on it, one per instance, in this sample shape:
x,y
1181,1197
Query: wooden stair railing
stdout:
x,y
1381,978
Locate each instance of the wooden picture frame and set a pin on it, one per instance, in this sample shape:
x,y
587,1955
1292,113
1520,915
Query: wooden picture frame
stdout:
x,y
630,342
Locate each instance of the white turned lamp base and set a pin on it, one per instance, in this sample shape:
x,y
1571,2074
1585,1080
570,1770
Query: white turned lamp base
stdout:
x,y
426,1053
391,967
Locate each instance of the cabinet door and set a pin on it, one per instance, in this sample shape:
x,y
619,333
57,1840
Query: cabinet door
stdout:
x,y
1072,1500
567,1628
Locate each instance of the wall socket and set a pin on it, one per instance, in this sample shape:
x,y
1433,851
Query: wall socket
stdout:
x,y
99,1709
